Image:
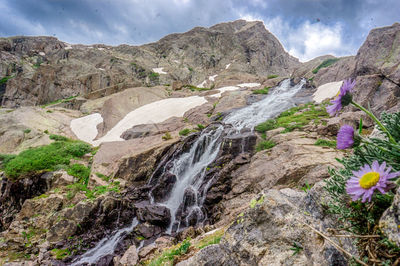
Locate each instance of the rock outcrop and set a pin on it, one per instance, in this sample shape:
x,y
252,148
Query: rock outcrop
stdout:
x,y
43,69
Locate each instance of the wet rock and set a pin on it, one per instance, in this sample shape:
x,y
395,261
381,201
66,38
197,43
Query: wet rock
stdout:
x,y
14,193
154,214
130,258
236,144
164,186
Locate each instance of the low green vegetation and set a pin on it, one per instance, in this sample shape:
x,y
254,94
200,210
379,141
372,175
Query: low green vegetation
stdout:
x,y
5,79
79,171
169,256
212,239
293,118
326,143
262,91
184,132
190,69
60,254
272,76
194,88
265,145
153,76
59,101
296,248
167,136
103,177
200,127
27,131
325,63
255,202
44,158
91,193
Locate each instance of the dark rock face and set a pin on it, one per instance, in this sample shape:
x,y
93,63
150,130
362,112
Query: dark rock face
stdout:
x,y
14,193
154,214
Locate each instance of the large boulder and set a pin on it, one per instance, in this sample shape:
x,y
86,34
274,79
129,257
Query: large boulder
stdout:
x,y
278,229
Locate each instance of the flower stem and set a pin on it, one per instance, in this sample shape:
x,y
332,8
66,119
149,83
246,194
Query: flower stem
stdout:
x,y
370,114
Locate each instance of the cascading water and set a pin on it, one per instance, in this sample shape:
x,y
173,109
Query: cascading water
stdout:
x,y
190,167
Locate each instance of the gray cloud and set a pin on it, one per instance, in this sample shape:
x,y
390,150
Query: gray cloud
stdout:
x,y
141,21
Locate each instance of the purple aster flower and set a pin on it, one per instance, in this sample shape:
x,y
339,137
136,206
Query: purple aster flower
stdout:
x,y
368,179
343,97
345,137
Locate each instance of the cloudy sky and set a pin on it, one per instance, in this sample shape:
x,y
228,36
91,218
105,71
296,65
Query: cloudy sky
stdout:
x,y
306,28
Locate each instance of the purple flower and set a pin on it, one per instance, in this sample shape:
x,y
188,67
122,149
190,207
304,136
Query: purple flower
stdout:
x,y
343,98
368,179
345,137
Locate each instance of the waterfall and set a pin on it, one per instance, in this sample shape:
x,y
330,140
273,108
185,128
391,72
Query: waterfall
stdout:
x,y
190,167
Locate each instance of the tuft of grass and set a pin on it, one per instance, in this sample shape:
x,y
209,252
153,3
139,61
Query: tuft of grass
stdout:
x,y
60,254
103,177
59,101
265,145
254,202
212,239
291,119
154,76
44,158
167,136
27,131
325,63
194,88
169,256
200,127
262,91
296,248
272,76
5,79
184,132
326,143
79,171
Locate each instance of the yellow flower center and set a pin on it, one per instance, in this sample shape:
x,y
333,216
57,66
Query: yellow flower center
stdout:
x,y
369,180
337,94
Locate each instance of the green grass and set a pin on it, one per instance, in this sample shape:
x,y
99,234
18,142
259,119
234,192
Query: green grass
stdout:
x,y
60,254
291,120
194,88
184,132
79,171
326,143
167,136
59,101
265,145
200,127
154,76
212,239
5,79
44,158
325,63
272,76
168,256
262,91
103,177
91,194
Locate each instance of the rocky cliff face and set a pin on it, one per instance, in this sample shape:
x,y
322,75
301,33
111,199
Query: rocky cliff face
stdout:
x,y
38,70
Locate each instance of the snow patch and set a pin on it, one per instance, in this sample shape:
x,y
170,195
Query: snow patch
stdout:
x,y
85,128
227,66
201,85
69,47
155,112
101,49
327,91
212,78
249,85
159,70
224,89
